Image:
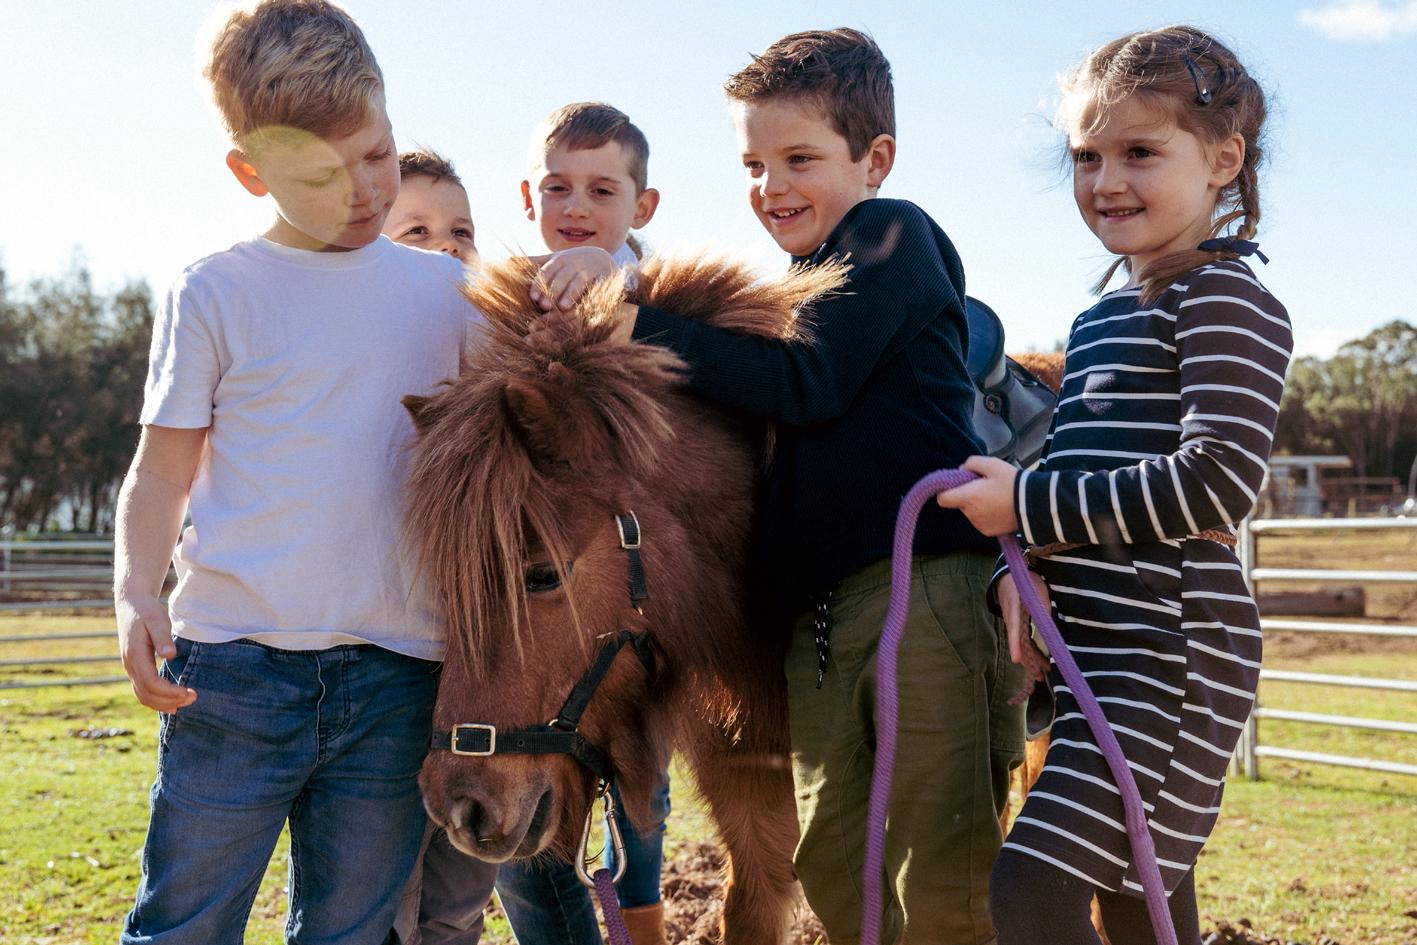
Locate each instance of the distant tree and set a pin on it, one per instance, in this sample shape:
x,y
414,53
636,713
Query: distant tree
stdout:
x,y
1300,429
116,373
1361,402
70,389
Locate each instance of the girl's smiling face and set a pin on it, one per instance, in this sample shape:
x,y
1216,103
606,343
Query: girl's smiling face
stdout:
x,y
1145,186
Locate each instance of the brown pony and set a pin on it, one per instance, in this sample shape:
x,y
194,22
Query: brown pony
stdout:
x,y
522,465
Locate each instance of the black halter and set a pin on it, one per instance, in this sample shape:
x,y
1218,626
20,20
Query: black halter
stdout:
x,y
560,735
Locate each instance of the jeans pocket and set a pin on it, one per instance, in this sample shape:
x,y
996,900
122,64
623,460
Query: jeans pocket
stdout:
x,y
178,669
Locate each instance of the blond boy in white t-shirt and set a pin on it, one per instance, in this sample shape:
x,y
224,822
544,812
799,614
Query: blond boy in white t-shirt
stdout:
x,y
300,656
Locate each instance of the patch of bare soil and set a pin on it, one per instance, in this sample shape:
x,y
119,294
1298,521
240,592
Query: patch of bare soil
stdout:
x,y
693,900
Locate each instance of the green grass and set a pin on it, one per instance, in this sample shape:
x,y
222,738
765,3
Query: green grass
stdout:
x,y
1315,850
1310,850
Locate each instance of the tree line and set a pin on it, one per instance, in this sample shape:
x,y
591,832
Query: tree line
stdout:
x,y
73,362
72,365
1360,403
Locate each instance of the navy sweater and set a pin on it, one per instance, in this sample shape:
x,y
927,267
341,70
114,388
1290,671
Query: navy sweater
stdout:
x,y
879,398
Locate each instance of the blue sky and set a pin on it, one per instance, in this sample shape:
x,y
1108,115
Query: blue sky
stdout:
x,y
110,145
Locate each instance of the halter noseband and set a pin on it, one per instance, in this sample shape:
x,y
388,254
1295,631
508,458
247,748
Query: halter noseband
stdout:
x,y
560,735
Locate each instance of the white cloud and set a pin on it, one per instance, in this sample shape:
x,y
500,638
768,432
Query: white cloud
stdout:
x,y
1363,20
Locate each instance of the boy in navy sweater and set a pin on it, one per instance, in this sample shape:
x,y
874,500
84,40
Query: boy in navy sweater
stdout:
x,y
880,397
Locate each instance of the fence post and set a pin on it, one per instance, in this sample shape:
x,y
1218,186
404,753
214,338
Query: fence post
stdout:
x,y
1249,741
1246,758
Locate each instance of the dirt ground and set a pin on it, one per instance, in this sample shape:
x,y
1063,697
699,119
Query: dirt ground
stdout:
x,y
693,902
693,905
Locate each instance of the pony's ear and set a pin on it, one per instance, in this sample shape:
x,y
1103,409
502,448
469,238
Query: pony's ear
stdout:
x,y
422,411
534,416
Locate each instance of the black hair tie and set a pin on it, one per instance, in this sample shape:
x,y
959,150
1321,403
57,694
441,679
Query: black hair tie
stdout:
x,y
1233,244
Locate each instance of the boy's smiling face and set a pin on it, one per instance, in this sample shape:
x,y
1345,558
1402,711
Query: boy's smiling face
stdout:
x,y
801,178
587,197
331,194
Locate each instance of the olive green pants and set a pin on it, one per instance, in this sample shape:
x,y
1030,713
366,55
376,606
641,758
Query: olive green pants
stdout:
x,y
958,739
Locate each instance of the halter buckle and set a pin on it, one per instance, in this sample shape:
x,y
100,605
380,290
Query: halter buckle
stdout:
x,y
491,732
632,543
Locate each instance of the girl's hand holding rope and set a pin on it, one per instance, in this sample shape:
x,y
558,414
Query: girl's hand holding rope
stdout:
x,y
988,503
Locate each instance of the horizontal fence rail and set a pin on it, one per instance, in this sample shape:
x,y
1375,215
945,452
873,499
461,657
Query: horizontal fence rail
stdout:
x,y
1325,679
1332,626
1261,525
98,544
1318,574
1350,721
1344,761
42,605
61,660
1249,750
43,684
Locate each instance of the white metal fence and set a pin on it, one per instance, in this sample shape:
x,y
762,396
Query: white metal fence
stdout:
x,y
1250,750
86,567
56,575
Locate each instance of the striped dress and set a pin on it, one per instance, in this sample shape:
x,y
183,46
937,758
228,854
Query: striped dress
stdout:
x,y
1162,431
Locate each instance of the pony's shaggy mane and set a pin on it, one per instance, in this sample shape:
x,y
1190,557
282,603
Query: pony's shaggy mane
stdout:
x,y
548,401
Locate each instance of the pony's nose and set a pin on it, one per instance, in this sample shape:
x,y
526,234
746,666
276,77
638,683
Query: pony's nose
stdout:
x,y
477,822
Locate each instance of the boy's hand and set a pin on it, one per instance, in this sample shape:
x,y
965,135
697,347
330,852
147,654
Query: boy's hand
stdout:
x,y
1022,649
988,502
568,274
144,633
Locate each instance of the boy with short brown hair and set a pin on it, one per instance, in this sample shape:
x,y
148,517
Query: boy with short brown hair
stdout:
x,y
879,398
588,180
587,186
301,660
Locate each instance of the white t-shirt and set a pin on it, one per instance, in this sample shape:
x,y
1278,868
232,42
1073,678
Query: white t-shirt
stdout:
x,y
625,256
297,361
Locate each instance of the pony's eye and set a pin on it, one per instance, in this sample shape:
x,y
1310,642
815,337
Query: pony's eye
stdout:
x,y
541,577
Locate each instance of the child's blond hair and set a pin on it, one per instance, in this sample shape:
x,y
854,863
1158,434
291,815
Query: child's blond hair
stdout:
x,y
292,64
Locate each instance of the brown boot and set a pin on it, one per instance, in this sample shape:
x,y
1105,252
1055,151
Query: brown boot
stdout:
x,y
645,924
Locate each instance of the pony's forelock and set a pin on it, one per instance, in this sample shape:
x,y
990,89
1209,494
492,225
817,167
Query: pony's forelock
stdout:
x,y
477,490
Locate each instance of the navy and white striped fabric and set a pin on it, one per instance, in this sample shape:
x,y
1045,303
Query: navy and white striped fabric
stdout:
x,y
1162,431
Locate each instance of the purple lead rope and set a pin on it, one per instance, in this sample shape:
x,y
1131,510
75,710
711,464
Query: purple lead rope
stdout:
x,y
610,907
1143,850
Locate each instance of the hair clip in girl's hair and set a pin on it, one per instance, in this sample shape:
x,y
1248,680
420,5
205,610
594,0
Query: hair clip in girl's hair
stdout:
x,y
1233,244
1203,93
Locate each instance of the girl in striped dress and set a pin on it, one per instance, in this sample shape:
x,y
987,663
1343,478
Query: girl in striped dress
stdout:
x,y
1159,443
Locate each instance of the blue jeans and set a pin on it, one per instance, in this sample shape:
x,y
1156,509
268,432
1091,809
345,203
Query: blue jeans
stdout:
x,y
547,905
329,740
